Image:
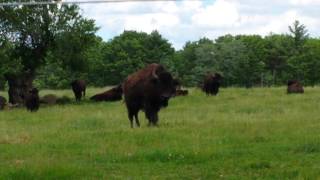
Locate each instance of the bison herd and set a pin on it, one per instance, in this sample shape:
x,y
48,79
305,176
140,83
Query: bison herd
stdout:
x,y
149,89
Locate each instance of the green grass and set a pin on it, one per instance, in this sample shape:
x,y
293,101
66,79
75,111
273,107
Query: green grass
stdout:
x,y
239,134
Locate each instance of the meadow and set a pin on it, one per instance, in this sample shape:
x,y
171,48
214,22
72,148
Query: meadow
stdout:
x,y
258,133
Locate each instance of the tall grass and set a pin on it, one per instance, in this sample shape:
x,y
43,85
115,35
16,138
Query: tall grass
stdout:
x,y
259,133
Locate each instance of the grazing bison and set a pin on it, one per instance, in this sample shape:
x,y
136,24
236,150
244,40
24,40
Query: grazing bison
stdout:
x,y
32,100
79,89
114,94
3,102
180,92
148,89
211,84
294,86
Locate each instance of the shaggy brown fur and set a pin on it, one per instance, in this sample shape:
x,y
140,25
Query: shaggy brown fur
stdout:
x,y
32,100
49,99
79,89
148,89
114,94
294,86
211,84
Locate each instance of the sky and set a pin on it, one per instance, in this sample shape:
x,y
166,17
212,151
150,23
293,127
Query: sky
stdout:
x,y
187,20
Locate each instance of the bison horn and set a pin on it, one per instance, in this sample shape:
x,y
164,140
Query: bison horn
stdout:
x,y
154,74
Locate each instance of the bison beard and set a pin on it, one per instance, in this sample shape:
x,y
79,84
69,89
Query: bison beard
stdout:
x,y
114,94
148,89
32,100
79,89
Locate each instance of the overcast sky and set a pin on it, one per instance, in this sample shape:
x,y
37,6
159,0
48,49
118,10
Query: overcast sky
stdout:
x,y
190,20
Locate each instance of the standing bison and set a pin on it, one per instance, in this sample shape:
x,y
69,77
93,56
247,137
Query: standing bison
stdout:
x,y
114,94
32,100
148,89
211,84
294,86
79,89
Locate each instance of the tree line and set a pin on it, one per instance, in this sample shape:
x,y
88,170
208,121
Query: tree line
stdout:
x,y
50,46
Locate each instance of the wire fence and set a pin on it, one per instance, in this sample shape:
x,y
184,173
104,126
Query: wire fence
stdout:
x,y
32,2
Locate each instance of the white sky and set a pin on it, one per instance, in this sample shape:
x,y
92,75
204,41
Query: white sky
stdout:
x,y
190,20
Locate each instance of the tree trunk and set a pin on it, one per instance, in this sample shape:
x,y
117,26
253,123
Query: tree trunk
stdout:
x,y
261,80
274,76
18,87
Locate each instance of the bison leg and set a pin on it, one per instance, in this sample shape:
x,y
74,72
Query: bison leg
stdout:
x,y
84,93
137,120
155,119
133,113
131,119
77,96
152,116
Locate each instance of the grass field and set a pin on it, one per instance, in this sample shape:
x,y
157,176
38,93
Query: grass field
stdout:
x,y
239,134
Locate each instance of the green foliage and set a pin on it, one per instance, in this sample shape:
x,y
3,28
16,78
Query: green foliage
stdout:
x,y
277,51
71,50
131,51
299,34
195,60
33,35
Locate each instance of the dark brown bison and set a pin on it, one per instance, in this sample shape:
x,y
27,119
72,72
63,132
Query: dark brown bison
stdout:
x,y
180,92
49,99
114,94
79,89
148,89
294,86
32,100
63,100
3,102
211,84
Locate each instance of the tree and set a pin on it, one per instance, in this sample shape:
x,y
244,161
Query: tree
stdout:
x,y
300,34
233,60
312,64
131,51
195,60
34,31
307,64
253,66
278,50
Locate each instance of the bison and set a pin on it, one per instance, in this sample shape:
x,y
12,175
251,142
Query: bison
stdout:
x,y
114,94
180,92
63,100
3,102
294,86
32,100
148,89
79,89
211,84
49,99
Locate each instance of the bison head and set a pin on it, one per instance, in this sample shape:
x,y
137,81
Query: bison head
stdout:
x,y
217,77
118,88
164,84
